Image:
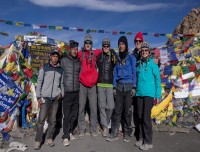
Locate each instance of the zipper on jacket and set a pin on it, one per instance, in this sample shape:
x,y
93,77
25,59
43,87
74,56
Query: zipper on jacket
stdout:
x,y
73,74
53,82
104,69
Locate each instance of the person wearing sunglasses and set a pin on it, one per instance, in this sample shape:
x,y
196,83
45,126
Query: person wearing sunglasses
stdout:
x,y
124,84
71,66
105,63
138,40
88,79
148,89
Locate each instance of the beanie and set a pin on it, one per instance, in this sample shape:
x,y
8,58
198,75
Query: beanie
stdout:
x,y
145,45
73,44
139,35
124,40
88,37
106,41
55,52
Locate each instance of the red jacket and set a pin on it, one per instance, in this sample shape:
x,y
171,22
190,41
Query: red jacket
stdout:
x,y
88,75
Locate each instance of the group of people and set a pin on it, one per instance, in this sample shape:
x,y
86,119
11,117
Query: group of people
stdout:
x,y
111,83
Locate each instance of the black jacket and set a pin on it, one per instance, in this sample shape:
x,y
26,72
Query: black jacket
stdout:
x,y
105,64
71,67
137,54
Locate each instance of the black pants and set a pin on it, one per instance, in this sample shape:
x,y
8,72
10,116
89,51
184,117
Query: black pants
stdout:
x,y
145,105
135,118
123,105
70,113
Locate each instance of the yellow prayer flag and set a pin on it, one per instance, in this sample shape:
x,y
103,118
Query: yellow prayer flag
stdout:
x,y
19,38
10,92
59,27
9,66
169,35
177,42
197,58
19,24
177,49
62,44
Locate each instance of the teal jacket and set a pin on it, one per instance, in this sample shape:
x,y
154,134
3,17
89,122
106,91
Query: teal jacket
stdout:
x,y
148,79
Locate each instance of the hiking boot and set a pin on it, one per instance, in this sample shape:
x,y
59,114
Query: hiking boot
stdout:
x,y
132,133
37,145
66,142
146,146
94,134
72,137
105,132
127,138
112,138
139,143
50,143
81,135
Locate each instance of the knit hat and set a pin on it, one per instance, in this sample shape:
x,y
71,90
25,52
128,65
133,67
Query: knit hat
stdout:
x,y
55,52
139,35
124,40
88,37
145,45
73,44
106,41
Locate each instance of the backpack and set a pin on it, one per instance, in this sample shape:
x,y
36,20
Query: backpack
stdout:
x,y
88,75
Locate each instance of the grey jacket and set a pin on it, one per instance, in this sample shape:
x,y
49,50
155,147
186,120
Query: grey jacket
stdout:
x,y
50,82
71,67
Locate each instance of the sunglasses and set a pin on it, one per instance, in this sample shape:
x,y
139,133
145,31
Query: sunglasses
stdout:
x,y
146,50
139,41
107,46
87,42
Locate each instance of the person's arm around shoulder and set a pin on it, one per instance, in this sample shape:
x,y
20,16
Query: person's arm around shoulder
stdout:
x,y
97,52
80,54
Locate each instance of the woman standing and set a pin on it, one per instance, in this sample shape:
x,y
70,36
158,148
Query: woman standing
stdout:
x,y
148,89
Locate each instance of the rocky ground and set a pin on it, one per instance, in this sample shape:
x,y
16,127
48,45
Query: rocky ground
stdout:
x,y
162,141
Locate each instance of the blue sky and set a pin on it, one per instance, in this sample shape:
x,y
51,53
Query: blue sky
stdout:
x,y
120,15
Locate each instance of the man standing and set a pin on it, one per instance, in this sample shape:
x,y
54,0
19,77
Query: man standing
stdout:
x,y
71,66
124,89
105,64
88,79
138,40
49,91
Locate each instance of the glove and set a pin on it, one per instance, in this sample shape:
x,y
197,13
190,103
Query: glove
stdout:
x,y
132,92
156,101
114,92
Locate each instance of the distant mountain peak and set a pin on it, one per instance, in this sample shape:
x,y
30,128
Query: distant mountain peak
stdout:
x,y
190,24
